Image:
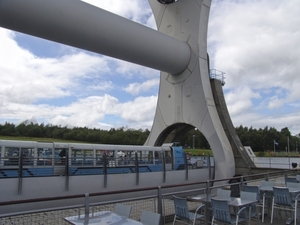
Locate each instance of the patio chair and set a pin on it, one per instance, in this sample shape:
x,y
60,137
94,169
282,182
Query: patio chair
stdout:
x,y
150,218
282,200
267,183
182,213
290,180
268,195
254,212
223,192
298,178
259,198
221,213
123,210
293,185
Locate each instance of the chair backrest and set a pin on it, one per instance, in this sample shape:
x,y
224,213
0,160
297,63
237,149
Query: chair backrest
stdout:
x,y
221,210
293,185
248,195
282,196
253,189
150,218
290,180
181,207
223,193
123,210
267,183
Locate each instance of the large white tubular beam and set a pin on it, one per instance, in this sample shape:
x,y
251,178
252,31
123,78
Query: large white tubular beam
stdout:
x,y
78,24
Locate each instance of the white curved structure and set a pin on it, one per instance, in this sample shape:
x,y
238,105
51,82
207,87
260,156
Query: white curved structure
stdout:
x,y
186,101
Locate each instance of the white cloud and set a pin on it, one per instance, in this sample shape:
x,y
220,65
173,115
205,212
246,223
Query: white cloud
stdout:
x,y
137,88
256,44
27,78
239,100
136,10
88,111
142,109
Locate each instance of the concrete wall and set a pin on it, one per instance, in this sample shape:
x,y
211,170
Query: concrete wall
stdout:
x,y
242,160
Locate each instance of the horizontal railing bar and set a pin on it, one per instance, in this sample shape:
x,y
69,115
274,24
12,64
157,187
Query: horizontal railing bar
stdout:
x,y
282,172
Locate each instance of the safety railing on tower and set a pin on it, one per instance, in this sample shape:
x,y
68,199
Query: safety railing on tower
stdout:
x,y
217,74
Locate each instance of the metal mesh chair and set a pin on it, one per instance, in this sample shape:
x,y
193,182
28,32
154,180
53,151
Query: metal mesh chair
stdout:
x,y
182,213
259,198
221,213
267,196
293,185
252,210
290,180
123,210
223,192
282,200
298,178
150,218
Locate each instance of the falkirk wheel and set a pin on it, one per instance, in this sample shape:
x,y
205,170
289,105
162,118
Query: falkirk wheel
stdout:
x,y
188,98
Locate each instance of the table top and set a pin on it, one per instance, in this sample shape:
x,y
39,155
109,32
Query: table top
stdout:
x,y
270,188
232,201
102,218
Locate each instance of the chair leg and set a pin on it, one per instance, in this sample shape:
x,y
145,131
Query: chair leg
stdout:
x,y
237,220
212,221
295,216
174,220
272,210
263,210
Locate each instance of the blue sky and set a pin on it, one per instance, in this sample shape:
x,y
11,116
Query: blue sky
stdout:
x,y
256,43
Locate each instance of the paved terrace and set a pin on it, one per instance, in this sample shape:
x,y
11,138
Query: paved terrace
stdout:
x,y
57,216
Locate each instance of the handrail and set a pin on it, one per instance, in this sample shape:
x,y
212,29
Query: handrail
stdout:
x,y
159,194
217,74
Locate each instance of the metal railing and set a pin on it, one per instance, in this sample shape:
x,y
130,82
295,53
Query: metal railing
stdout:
x,y
217,74
158,199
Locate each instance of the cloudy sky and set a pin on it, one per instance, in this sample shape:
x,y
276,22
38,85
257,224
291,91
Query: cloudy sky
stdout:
x,y
255,42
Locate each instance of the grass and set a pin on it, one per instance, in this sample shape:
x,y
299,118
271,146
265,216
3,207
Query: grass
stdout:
x,y
198,152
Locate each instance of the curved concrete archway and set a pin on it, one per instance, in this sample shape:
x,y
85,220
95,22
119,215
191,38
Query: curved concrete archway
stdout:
x,y
185,100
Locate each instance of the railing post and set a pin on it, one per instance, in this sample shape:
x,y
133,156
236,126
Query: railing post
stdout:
x,y
21,158
105,169
209,166
67,171
242,183
208,191
86,208
164,166
186,167
159,202
137,172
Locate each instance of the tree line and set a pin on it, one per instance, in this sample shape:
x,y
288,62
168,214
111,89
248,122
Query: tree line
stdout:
x,y
260,140
120,136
